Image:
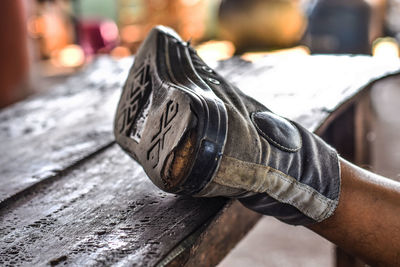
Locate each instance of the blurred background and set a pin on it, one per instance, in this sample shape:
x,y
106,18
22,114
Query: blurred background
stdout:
x,y
46,40
43,42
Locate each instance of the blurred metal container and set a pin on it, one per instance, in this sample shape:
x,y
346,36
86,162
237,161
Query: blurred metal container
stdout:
x,y
339,27
261,24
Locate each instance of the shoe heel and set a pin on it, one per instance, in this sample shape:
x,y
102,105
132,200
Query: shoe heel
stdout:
x,y
151,122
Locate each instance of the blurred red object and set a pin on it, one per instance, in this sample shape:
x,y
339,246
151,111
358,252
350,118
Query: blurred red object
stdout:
x,y
14,63
97,36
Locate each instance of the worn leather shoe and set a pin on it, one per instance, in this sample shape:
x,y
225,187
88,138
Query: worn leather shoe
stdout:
x,y
194,133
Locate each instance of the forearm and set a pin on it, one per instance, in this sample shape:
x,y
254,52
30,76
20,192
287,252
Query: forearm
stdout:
x,y
367,220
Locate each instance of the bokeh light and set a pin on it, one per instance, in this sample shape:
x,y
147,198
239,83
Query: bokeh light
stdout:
x,y
109,31
120,52
386,48
71,56
215,50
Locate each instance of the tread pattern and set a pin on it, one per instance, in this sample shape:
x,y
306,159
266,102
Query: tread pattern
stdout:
x,y
158,139
136,98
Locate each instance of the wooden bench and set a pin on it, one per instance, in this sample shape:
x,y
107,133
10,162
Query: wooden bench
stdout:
x,y
69,195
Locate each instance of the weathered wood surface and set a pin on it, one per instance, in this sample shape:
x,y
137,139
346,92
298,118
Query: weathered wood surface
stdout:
x,y
307,89
46,134
69,195
104,211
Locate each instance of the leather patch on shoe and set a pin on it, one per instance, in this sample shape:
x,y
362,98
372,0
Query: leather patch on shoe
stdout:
x,y
278,131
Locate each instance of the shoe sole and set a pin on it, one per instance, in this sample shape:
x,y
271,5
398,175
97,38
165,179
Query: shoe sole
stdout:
x,y
168,118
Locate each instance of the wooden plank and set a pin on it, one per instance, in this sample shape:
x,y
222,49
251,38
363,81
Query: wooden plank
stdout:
x,y
105,211
208,245
307,89
48,133
93,206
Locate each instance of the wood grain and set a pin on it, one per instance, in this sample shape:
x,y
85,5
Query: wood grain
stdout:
x,y
307,89
48,133
69,195
103,212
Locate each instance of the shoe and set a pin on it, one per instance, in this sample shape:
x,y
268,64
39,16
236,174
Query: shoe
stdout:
x,y
168,118
196,134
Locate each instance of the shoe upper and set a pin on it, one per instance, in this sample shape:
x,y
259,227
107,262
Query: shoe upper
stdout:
x,y
274,165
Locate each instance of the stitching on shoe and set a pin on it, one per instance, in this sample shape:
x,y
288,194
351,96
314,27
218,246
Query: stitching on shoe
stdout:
x,y
288,149
330,204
